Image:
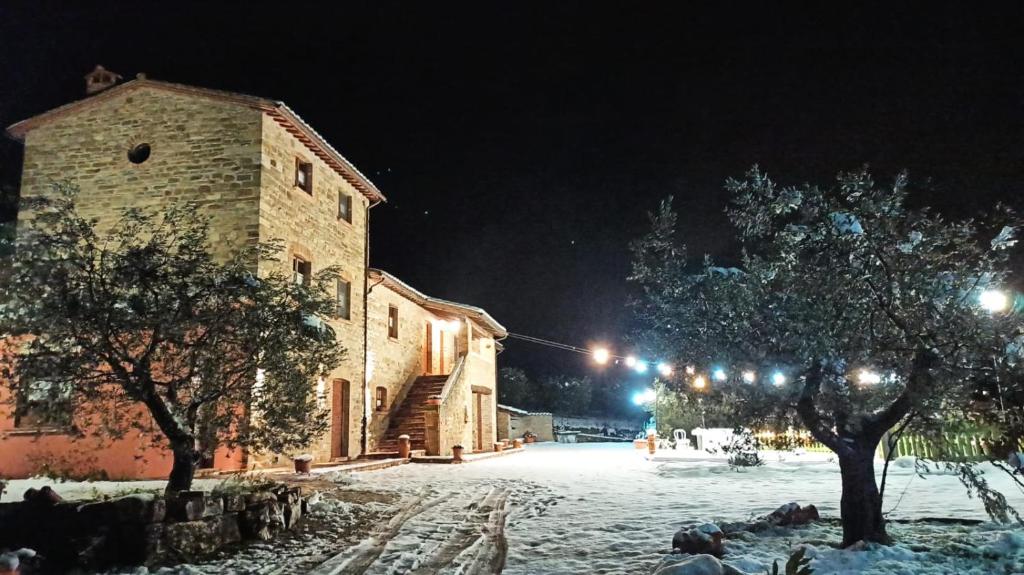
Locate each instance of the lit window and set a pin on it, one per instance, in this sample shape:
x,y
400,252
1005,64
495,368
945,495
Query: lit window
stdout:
x,y
392,321
304,175
381,400
344,299
302,271
344,206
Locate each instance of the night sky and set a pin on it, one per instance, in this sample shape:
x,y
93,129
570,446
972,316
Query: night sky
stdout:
x,y
522,144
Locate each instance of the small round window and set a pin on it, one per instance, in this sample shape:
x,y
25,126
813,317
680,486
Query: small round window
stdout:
x,y
138,153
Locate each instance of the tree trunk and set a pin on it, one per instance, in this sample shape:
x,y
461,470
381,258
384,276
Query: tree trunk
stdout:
x,y
186,458
861,505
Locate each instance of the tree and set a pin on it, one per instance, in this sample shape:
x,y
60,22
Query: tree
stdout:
x,y
836,282
143,316
569,395
514,387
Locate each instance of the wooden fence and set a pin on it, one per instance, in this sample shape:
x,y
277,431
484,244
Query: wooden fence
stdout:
x,y
962,446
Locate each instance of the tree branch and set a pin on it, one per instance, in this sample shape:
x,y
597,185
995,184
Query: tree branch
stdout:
x,y
808,412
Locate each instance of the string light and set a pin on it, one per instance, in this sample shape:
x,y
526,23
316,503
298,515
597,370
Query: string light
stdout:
x,y
719,374
749,376
994,301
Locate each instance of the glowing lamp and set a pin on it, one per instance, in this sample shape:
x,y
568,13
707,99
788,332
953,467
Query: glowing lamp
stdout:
x,y
641,367
867,377
664,369
630,361
601,355
749,376
778,378
699,382
718,374
994,301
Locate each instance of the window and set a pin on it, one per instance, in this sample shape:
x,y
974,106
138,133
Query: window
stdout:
x,y
344,299
392,321
43,404
344,206
139,153
304,175
302,271
381,399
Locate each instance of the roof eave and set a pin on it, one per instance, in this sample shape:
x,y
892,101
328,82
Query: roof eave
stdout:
x,y
276,109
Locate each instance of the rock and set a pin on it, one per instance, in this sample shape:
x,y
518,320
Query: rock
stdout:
x,y
190,540
289,495
233,503
142,508
292,514
698,565
787,515
230,530
193,506
44,496
260,521
793,514
257,497
703,539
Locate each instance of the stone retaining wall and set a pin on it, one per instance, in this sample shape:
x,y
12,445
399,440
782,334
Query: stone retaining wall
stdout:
x,y
146,529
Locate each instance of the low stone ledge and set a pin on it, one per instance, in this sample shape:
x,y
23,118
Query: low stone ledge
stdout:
x,y
145,528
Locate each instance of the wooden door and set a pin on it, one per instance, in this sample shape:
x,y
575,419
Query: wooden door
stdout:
x,y
340,413
428,345
478,429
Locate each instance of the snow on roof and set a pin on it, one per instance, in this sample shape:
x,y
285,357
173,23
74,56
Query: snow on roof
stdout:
x,y
518,411
276,109
437,303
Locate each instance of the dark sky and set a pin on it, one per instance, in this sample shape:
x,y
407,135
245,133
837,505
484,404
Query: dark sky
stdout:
x,y
521,144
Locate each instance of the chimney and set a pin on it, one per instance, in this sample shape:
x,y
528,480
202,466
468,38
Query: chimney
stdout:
x,y
99,79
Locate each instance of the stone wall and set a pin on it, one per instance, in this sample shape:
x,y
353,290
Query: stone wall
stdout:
x,y
395,362
202,150
309,227
145,529
481,376
515,425
597,423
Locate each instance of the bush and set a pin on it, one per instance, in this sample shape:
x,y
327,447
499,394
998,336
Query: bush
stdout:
x,y
743,450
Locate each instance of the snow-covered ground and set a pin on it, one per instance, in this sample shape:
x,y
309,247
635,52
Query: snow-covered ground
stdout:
x,y
607,508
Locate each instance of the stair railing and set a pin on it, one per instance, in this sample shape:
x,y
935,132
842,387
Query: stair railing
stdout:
x,y
449,383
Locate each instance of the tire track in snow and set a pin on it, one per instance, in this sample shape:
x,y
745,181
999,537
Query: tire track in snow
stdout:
x,y
481,535
493,550
358,559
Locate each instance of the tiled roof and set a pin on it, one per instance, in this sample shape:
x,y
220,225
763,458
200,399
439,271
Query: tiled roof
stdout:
x,y
438,304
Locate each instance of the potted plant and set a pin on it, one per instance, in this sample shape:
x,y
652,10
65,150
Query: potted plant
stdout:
x,y
457,452
303,463
530,437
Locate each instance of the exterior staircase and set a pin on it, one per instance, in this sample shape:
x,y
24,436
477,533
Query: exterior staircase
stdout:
x,y
409,418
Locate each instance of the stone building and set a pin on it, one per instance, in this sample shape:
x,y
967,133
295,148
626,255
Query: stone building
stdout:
x,y
260,172
514,422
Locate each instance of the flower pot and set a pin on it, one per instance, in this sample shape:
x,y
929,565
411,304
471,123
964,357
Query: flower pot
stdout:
x,y
499,446
531,438
303,464
457,453
404,446
517,443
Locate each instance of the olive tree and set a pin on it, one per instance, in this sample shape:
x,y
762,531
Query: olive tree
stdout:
x,y
142,318
851,314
